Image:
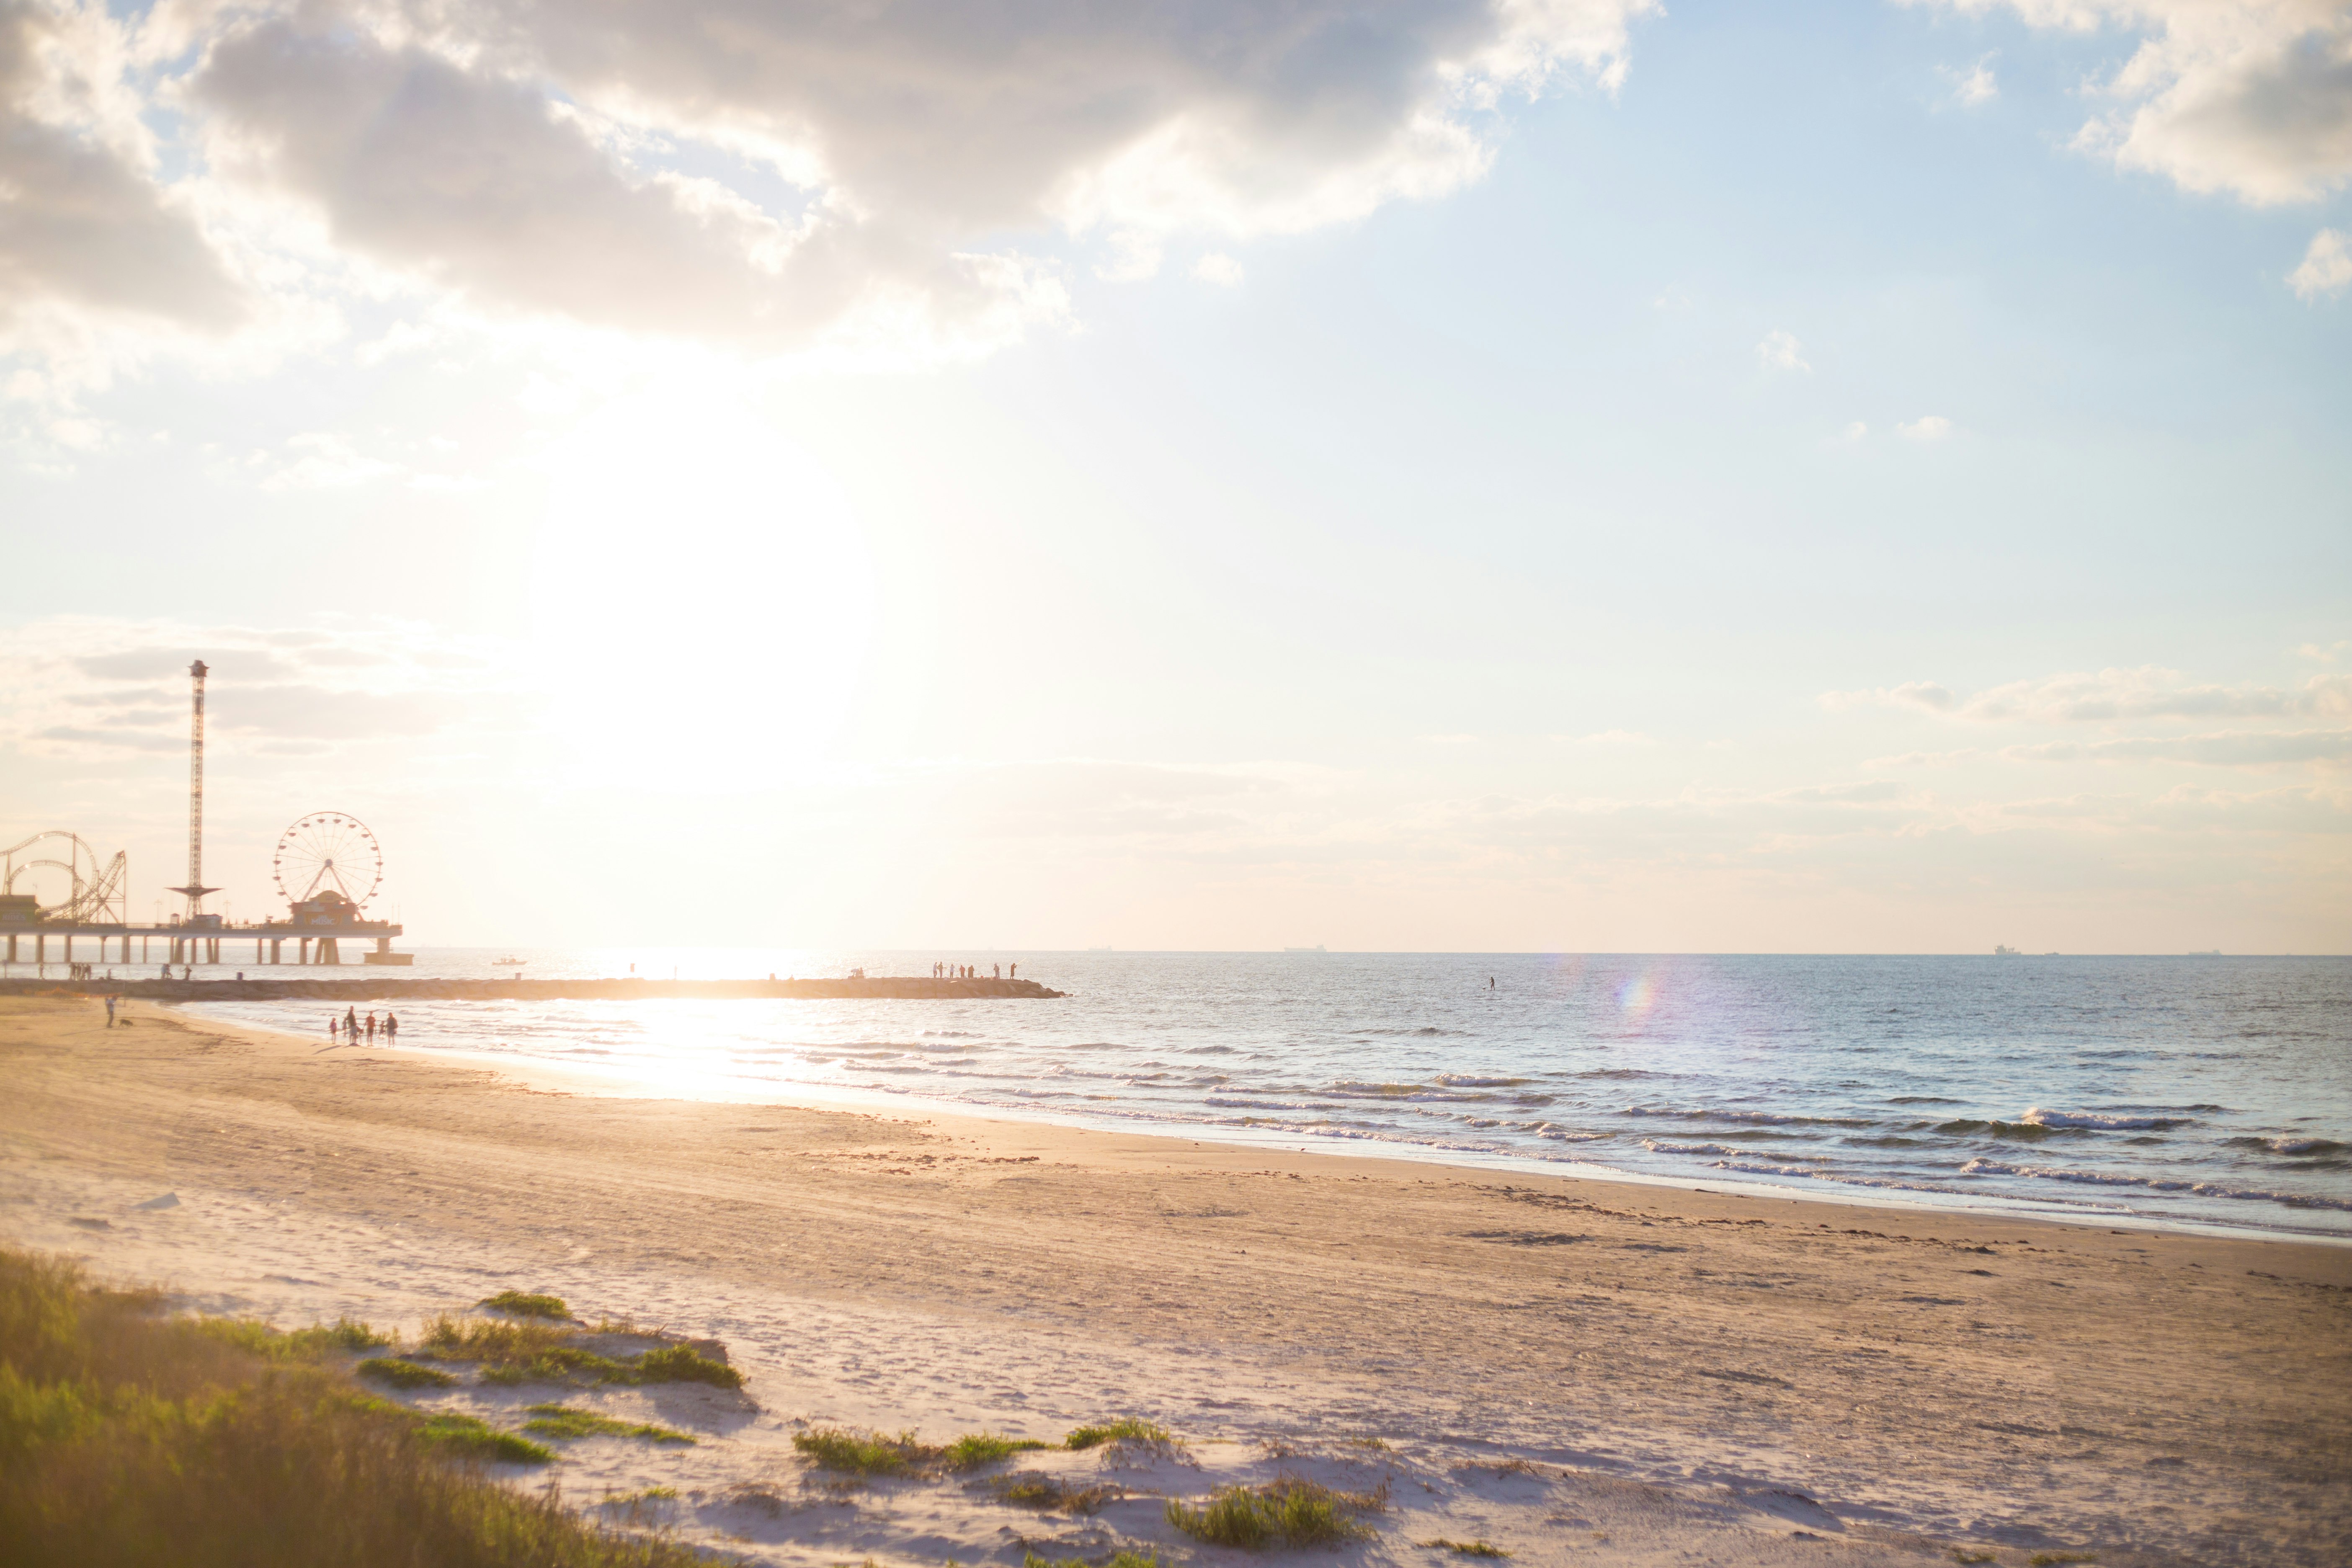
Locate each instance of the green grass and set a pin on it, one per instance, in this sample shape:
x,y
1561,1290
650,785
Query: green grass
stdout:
x,y
470,1437
974,1449
537,1351
1960,1554
1033,1488
129,1438
257,1338
2052,1559
523,1304
1126,1429
1121,1560
865,1453
1464,1548
564,1421
1286,1512
403,1373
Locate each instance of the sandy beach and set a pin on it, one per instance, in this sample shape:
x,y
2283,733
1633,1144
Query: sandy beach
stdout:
x,y
1574,1371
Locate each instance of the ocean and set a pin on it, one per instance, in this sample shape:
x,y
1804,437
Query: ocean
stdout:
x,y
2196,1091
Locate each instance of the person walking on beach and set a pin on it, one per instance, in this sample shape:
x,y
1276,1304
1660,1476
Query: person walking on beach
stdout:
x,y
391,1030
352,1025
370,1028
110,1012
334,1025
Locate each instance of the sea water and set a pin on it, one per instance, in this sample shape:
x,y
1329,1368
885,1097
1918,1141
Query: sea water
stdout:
x,y
2193,1091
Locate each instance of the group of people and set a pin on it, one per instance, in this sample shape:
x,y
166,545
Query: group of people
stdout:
x,y
969,971
347,1030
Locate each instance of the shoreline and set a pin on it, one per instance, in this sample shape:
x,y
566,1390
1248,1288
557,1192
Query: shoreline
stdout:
x,y
378,987
540,1073
1669,1367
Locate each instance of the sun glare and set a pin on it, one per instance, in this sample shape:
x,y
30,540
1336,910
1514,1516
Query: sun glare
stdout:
x,y
702,602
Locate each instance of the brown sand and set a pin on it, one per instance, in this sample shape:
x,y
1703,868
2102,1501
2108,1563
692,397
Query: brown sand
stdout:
x,y
1693,1376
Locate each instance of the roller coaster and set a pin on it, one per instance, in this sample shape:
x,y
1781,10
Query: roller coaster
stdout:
x,y
96,896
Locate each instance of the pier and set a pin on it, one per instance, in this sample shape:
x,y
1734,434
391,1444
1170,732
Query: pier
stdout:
x,y
405,988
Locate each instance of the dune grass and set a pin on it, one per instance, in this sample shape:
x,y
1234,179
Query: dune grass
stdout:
x,y
564,1421
1286,1512
526,1304
1119,1559
532,1351
403,1373
974,1449
1464,1548
1034,1488
1126,1429
866,1452
130,1438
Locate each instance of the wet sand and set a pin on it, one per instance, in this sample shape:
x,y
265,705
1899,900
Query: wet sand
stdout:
x,y
1679,1377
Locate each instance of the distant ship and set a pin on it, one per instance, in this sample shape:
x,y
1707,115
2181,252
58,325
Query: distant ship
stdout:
x,y
506,963
1316,948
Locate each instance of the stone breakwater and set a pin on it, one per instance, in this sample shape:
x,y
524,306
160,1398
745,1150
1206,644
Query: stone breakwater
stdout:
x,y
377,988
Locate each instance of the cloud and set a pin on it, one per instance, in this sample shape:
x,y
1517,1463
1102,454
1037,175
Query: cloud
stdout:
x,y
2250,96
2326,266
1977,86
325,461
1616,738
774,178
2111,695
83,222
1927,427
1923,759
1220,269
1780,351
2225,748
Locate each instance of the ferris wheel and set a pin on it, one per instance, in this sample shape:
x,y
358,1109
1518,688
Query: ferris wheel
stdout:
x,y
327,851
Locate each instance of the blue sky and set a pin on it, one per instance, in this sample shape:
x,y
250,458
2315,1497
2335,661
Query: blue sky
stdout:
x,y
1805,498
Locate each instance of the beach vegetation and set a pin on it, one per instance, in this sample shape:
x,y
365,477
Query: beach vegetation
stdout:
x,y
539,1352
1962,1554
1126,1429
2054,1559
565,1421
1124,1559
525,1304
403,1373
470,1437
974,1449
1286,1512
257,1338
1464,1548
128,1437
1034,1488
865,1453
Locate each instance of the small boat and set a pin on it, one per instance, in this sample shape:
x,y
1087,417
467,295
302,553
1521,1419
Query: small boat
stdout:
x,y
505,962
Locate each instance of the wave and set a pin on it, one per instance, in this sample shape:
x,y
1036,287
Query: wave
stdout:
x,y
1764,1117
2290,1145
2099,1121
2154,1184
1659,1146
1465,1080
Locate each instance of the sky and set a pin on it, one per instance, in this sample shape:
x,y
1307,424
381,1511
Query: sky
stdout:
x,y
1423,475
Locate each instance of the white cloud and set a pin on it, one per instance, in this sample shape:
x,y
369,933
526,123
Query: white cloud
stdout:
x,y
842,180
1927,427
323,460
2326,265
1780,351
1923,759
1616,738
1220,269
2110,696
2223,748
2251,97
1977,87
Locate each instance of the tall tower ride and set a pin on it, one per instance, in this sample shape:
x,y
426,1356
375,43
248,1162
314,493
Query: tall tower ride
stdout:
x,y
195,889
